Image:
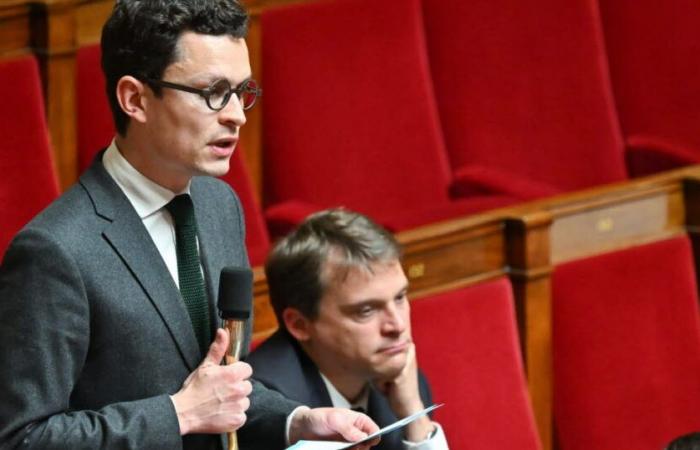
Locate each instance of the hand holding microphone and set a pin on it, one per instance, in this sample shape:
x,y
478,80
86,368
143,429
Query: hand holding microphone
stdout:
x,y
214,398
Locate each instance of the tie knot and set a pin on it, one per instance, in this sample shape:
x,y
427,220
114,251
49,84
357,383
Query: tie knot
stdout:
x,y
182,209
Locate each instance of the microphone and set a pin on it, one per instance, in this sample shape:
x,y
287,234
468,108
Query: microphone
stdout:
x,y
235,301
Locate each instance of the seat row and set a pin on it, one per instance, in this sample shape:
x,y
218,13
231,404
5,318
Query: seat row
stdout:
x,y
419,110
624,333
601,315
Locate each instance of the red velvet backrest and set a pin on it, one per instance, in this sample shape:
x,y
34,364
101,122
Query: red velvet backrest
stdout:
x,y
654,63
627,348
349,113
95,124
467,345
524,88
257,238
28,182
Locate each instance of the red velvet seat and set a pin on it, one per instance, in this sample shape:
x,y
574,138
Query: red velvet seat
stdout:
x,y
95,124
257,238
467,344
653,48
96,129
29,181
349,115
626,342
524,95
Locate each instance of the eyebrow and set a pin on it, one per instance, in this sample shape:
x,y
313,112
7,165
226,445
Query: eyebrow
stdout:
x,y
373,301
214,78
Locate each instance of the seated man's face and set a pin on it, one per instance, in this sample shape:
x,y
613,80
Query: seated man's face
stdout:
x,y
363,327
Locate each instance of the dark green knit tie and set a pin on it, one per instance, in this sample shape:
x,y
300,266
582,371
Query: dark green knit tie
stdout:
x,y
188,269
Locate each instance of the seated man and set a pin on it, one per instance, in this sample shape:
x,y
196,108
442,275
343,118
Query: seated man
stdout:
x,y
686,442
339,293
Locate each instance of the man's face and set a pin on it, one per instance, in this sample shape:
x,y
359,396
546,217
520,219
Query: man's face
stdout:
x,y
186,138
363,327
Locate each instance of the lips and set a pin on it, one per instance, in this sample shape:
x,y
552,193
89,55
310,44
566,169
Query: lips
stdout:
x,y
224,146
396,348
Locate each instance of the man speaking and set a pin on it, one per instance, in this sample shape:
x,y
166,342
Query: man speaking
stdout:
x,y
109,337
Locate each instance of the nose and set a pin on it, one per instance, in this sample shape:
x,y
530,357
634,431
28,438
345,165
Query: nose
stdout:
x,y
232,114
395,320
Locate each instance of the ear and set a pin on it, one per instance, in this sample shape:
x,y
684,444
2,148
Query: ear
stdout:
x,y
130,95
297,324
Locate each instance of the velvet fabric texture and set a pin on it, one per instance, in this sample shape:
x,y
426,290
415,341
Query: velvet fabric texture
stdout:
x,y
257,239
350,117
28,182
95,124
653,50
523,90
467,345
626,342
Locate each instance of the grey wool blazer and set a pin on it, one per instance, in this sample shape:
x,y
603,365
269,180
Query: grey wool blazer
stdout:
x,y
94,335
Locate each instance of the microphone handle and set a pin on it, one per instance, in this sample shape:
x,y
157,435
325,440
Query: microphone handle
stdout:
x,y
236,330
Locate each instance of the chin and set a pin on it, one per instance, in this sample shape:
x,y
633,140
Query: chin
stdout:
x,y
215,169
392,368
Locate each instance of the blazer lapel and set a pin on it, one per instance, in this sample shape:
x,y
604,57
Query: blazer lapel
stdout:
x,y
131,241
212,251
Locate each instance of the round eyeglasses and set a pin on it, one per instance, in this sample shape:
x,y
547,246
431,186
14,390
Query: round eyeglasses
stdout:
x,y
218,94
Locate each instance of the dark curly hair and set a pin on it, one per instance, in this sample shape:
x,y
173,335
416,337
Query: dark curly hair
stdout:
x,y
140,38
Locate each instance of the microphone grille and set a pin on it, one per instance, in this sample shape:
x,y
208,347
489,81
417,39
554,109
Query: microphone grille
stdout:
x,y
235,293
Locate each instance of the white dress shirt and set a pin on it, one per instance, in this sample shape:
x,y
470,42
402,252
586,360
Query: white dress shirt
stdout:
x,y
148,199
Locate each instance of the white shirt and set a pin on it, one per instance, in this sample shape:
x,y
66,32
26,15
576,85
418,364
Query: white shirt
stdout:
x,y
436,442
148,199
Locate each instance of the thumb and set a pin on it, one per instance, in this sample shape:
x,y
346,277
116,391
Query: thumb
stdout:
x,y
217,349
357,429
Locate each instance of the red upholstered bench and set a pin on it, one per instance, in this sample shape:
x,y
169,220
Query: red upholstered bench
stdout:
x,y
524,96
28,181
467,345
626,338
350,117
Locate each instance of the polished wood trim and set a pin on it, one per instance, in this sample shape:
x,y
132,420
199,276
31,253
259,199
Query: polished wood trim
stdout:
x,y
528,239
15,35
89,19
53,30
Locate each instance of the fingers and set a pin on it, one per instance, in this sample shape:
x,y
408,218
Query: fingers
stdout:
x,y
217,349
357,427
215,399
365,424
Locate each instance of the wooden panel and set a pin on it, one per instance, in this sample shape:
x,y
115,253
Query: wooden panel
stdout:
x,y
691,189
265,322
528,247
53,29
15,36
629,220
90,17
450,255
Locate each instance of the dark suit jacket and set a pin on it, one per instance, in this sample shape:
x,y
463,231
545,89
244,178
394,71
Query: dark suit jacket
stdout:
x,y
281,364
94,335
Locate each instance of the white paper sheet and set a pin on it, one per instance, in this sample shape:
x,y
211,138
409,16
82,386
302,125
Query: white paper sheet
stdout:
x,y
334,445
